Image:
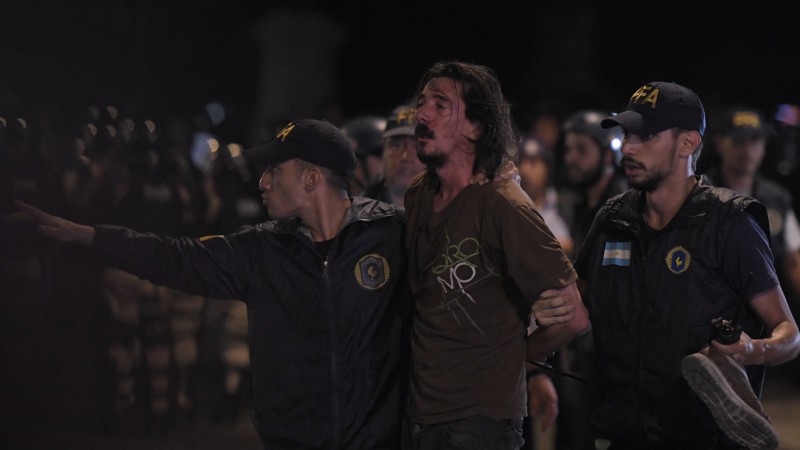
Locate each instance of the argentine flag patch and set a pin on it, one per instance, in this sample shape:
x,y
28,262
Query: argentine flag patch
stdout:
x,y
617,254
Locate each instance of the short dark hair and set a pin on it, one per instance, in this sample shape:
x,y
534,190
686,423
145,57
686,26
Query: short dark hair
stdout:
x,y
486,106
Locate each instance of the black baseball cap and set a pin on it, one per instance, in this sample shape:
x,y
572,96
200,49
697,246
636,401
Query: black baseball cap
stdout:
x,y
743,122
401,121
316,141
660,105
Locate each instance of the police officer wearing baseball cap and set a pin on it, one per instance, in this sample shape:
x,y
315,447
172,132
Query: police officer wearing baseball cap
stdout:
x,y
301,145
740,139
662,262
400,162
325,284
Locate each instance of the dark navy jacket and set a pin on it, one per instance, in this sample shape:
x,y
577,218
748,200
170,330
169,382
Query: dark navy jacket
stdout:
x,y
651,301
328,337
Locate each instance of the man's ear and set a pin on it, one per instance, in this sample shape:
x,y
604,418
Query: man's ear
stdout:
x,y
475,131
312,178
689,142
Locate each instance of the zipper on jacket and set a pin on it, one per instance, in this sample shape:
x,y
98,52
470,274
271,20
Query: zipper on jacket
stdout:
x,y
336,407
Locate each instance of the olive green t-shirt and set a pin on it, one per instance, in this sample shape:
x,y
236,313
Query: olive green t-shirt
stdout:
x,y
475,269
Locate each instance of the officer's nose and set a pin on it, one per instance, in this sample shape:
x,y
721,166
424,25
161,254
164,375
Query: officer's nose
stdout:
x,y
265,182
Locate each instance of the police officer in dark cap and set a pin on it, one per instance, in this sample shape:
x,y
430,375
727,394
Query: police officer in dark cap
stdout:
x,y
400,162
740,140
685,305
325,286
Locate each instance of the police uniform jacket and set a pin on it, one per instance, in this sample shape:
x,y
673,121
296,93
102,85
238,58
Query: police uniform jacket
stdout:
x,y
651,301
328,335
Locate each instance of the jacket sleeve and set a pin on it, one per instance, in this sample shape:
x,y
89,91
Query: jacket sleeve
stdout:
x,y
214,267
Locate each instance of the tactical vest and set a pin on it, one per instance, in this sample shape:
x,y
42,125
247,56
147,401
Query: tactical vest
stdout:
x,y
651,303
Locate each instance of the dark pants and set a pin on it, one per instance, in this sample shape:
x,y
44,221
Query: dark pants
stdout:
x,y
471,433
716,445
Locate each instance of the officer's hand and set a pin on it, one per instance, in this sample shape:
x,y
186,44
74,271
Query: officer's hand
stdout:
x,y
555,305
741,351
56,228
507,171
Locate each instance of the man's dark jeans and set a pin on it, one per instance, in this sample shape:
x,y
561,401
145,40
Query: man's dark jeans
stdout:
x,y
471,433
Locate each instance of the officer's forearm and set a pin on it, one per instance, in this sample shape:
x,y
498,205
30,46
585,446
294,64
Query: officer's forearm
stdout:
x,y
782,345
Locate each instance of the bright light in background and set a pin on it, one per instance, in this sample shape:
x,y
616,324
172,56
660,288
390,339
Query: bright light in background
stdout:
x,y
213,145
235,150
616,144
788,114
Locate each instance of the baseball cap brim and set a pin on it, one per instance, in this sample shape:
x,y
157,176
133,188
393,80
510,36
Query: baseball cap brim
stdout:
x,y
749,133
266,155
635,123
399,131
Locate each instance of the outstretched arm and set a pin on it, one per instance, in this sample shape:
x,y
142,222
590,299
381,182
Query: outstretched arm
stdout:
x,y
60,229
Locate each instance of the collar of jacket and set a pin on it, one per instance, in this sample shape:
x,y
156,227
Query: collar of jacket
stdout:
x,y
625,211
361,210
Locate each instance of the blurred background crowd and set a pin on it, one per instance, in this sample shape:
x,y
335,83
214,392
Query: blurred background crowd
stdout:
x,y
137,114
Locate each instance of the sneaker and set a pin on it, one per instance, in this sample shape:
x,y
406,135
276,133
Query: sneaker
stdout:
x,y
721,382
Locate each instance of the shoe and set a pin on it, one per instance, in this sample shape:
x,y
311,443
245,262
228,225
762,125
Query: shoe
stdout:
x,y
722,384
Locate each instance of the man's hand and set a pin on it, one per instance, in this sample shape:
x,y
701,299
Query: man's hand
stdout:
x,y
507,171
555,305
542,399
56,228
741,350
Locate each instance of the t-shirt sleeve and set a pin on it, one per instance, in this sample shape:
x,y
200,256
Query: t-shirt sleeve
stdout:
x,y
747,258
535,260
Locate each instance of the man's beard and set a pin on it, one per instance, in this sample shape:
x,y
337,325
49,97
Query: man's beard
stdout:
x,y
435,160
653,178
585,182
649,184
432,161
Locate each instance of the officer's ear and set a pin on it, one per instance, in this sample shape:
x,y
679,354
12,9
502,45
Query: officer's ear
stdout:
x,y
312,177
688,141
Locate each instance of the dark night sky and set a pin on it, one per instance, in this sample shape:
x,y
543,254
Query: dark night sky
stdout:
x,y
174,56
